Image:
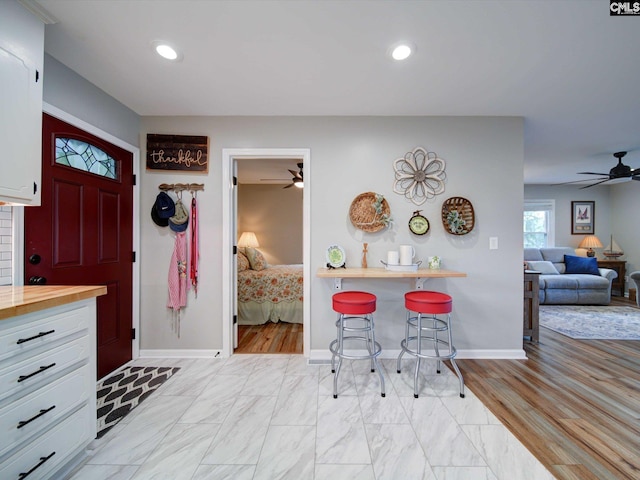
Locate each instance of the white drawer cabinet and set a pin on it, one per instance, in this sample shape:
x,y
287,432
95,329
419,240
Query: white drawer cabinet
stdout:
x,y
45,455
47,390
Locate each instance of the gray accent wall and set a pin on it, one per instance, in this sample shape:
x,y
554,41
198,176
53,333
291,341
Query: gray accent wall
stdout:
x,y
65,89
349,156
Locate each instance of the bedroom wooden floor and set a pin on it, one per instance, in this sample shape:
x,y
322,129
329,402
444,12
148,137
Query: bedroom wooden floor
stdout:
x,y
574,404
271,337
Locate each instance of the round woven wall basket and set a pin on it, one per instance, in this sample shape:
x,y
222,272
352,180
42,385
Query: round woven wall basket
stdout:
x,y
363,214
458,217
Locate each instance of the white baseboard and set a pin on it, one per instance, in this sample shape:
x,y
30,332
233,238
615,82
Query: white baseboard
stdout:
x,y
324,356
181,353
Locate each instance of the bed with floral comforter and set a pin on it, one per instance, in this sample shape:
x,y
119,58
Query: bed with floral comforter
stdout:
x,y
273,294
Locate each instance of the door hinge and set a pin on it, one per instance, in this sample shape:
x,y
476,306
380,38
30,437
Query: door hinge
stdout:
x,y
235,249
133,181
133,257
235,181
37,76
133,334
235,319
35,188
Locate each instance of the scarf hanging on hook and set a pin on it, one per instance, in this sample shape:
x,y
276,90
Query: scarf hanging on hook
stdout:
x,y
178,278
195,249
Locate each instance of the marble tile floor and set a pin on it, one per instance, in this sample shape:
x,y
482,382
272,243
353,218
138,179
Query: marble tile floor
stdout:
x,y
268,417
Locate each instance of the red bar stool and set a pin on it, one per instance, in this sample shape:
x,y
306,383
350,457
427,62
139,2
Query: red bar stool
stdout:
x,y
355,319
427,305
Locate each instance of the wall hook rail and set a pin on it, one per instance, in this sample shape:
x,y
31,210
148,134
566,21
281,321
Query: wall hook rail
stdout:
x,y
181,187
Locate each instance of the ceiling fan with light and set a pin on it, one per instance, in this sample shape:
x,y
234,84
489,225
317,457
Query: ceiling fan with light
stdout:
x,y
619,172
297,179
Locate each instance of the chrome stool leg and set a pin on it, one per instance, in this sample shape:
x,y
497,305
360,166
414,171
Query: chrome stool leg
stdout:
x,y
404,343
374,360
435,342
452,354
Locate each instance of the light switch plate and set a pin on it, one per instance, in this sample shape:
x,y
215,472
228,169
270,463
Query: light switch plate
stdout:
x,y
493,243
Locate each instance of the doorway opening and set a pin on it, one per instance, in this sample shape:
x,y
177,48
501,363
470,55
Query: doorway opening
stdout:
x,y
282,322
269,264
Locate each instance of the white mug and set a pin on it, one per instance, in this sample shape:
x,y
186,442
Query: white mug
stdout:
x,y
407,252
434,263
393,257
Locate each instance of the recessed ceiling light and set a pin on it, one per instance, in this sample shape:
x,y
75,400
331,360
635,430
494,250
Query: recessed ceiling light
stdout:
x,y
166,51
401,52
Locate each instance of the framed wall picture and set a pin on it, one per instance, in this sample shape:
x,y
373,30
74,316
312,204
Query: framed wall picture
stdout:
x,y
583,218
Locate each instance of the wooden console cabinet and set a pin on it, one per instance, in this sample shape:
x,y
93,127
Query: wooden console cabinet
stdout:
x,y
531,305
620,267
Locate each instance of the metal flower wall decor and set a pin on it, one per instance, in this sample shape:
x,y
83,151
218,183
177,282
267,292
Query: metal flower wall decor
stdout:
x,y
419,175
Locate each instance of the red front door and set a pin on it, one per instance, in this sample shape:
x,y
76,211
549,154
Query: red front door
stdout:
x,y
83,232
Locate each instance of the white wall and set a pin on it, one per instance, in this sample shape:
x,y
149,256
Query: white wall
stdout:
x,y
625,199
615,214
274,214
563,196
351,155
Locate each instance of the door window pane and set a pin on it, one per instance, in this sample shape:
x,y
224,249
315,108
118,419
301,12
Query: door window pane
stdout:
x,y
86,157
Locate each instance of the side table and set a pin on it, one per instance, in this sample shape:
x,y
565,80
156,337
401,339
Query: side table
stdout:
x,y
620,267
531,305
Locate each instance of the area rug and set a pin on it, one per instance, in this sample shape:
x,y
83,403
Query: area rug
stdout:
x,y
123,391
592,322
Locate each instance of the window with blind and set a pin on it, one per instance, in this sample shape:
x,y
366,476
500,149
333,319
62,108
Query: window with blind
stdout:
x,y
538,223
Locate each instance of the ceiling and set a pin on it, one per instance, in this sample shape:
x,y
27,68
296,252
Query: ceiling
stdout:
x,y
568,68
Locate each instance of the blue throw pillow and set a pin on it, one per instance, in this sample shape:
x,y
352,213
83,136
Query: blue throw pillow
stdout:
x,y
581,265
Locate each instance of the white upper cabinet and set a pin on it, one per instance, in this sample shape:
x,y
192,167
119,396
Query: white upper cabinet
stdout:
x,y
21,64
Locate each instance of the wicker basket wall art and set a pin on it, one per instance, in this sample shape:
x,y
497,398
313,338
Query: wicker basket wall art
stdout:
x,y
370,212
458,217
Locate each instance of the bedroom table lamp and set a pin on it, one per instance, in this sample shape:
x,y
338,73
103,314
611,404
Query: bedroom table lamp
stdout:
x,y
590,242
249,239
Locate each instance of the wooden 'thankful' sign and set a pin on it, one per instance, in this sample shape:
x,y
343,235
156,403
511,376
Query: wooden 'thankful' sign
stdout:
x,y
177,152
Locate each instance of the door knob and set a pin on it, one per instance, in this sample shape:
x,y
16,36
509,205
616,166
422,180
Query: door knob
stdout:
x,y
34,259
35,280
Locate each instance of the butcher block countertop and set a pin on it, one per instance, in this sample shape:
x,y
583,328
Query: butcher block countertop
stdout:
x,y
383,273
16,301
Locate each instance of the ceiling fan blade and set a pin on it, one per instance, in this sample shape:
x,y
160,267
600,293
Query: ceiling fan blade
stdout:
x,y
288,186
295,174
596,183
592,173
579,181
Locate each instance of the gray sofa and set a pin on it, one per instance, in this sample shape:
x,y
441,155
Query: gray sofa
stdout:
x,y
568,288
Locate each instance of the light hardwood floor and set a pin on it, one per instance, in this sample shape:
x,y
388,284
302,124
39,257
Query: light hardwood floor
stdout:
x,y
575,404
271,337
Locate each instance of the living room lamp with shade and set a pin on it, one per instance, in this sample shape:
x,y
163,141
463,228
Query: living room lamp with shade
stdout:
x,y
590,242
249,239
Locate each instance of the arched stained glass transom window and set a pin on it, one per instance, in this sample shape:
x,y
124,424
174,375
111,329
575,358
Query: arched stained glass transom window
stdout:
x,y
86,157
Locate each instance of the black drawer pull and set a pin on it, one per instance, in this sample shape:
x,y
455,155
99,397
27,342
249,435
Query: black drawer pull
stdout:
x,y
22,423
41,334
42,369
42,460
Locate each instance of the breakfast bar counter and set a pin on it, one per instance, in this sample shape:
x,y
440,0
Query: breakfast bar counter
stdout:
x,y
377,272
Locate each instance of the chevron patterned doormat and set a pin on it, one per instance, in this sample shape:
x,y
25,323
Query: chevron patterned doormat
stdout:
x,y
592,322
123,391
